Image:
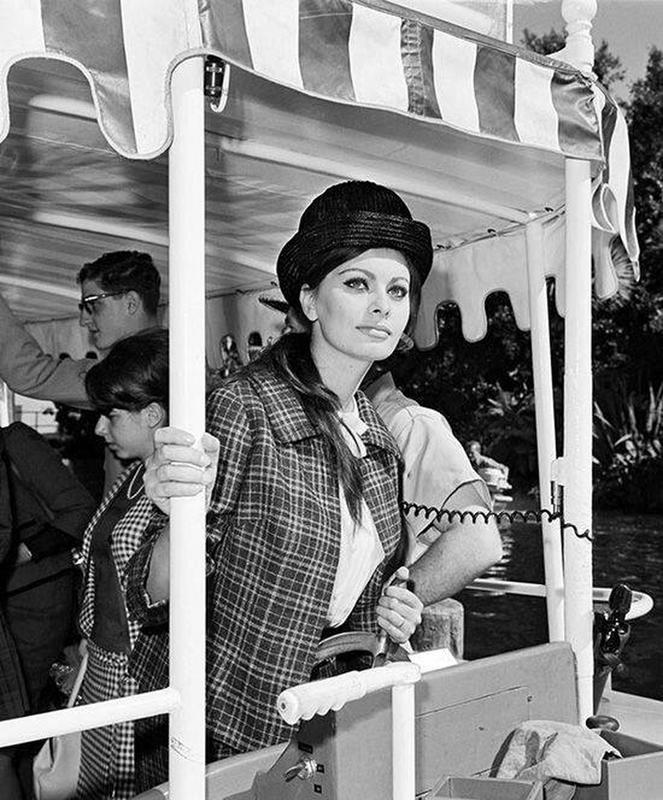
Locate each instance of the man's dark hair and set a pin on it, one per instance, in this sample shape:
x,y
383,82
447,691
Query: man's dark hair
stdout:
x,y
126,271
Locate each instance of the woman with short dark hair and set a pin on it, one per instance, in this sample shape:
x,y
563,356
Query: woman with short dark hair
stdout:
x,y
130,390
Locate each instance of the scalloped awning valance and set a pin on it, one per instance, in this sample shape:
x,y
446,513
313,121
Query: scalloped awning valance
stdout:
x,y
352,52
404,86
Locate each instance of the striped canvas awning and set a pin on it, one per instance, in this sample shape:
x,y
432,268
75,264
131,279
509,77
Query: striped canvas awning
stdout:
x,y
354,52
466,124
365,53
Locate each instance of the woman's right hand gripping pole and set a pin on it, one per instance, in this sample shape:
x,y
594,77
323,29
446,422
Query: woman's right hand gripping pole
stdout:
x,y
178,468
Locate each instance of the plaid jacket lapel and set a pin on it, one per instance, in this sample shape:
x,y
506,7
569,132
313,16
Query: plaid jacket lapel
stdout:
x,y
377,434
291,424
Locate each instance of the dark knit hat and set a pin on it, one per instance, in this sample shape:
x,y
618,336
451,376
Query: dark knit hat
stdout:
x,y
352,214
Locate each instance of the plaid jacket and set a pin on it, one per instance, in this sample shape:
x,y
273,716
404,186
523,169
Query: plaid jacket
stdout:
x,y
273,538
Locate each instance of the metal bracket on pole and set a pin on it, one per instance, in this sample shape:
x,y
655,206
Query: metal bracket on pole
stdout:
x,y
558,480
216,80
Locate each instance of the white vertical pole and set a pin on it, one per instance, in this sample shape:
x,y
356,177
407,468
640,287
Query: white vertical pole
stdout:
x,y
508,22
545,426
578,427
5,405
402,742
186,186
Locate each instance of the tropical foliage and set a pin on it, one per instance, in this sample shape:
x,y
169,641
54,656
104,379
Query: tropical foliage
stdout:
x,y
628,435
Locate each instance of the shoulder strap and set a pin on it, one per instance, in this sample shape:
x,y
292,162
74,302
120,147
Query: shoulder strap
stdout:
x,y
78,682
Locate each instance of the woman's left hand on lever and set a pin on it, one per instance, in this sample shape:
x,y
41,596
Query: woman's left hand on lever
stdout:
x,y
399,609
179,469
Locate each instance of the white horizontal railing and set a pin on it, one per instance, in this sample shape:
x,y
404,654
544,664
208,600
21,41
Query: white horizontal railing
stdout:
x,y
163,701
319,697
642,603
81,718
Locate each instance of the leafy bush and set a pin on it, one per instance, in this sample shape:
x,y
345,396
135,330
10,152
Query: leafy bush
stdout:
x,y
508,434
628,449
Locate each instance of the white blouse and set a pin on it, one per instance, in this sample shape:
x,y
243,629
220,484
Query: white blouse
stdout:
x,y
361,549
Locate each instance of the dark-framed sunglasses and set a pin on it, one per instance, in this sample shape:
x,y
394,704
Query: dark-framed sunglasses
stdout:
x,y
87,302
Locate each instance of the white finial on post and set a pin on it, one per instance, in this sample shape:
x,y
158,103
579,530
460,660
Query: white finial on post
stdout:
x,y
579,49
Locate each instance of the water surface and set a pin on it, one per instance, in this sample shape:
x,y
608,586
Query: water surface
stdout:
x,y
627,549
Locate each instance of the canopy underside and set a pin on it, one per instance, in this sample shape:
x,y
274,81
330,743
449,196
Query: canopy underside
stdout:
x,y
67,196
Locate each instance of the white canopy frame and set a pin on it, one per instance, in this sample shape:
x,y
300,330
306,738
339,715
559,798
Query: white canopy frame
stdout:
x,y
187,411
578,581
545,428
570,617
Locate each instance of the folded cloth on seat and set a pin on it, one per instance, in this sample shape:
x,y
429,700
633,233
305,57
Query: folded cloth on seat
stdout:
x,y
542,749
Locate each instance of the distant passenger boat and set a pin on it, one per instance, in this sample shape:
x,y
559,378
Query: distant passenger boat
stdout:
x,y
498,486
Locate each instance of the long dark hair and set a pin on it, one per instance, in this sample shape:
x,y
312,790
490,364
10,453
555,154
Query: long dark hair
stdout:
x,y
133,374
290,358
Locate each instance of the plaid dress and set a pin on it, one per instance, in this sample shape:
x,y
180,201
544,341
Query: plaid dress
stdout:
x,y
107,753
13,695
273,549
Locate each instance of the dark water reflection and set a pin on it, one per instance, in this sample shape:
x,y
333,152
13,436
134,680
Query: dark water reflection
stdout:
x,y
627,549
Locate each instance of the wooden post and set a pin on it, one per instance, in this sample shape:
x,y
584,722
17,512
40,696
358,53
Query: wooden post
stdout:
x,y
442,625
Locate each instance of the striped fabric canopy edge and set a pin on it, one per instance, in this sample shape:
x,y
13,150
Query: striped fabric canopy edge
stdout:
x,y
344,50
367,54
362,52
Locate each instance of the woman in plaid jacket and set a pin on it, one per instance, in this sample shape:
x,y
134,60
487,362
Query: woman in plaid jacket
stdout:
x,y
304,523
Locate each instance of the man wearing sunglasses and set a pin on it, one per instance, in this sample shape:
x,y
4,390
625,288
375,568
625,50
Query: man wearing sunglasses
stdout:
x,y
119,297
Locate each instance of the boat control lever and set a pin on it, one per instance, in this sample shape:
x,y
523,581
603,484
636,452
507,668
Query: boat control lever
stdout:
x,y
611,632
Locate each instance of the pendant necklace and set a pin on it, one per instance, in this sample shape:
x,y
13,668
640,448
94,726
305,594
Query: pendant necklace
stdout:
x,y
130,487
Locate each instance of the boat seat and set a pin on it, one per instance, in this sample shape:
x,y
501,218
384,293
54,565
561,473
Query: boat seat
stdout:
x,y
464,716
